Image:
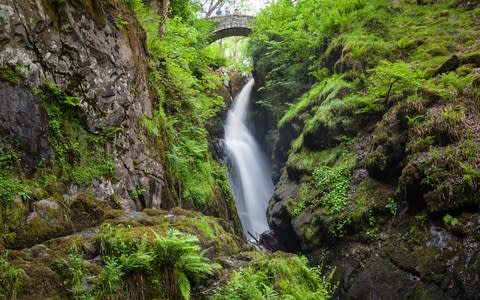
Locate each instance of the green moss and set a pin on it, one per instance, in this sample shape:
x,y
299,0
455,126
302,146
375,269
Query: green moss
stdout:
x,y
306,160
329,162
209,232
86,212
370,194
38,230
11,74
12,187
305,197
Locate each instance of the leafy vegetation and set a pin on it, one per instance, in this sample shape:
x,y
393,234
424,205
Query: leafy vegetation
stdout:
x,y
449,220
79,156
11,187
185,85
391,82
277,277
12,74
168,265
334,183
75,266
11,279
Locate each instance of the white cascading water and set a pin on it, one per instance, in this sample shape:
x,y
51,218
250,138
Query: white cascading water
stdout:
x,y
249,170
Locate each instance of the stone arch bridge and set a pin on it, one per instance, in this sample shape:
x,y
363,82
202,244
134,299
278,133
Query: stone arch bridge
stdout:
x,y
231,25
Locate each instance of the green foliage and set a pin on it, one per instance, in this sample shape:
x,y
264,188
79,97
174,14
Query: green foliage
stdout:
x,y
389,48
302,202
11,186
334,184
135,192
449,220
121,23
421,218
337,228
372,231
232,52
339,160
390,78
11,279
277,277
181,73
12,74
79,156
109,281
392,206
75,265
170,264
288,37
58,95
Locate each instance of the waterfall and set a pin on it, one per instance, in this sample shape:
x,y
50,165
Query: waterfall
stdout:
x,y
249,170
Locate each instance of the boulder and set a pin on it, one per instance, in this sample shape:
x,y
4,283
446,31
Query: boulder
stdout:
x,y
49,219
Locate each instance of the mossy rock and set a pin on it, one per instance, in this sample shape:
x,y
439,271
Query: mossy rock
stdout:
x,y
209,230
471,58
387,149
303,162
314,227
49,220
86,212
440,180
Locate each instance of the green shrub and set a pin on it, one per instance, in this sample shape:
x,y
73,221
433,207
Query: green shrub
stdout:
x,y
277,277
169,264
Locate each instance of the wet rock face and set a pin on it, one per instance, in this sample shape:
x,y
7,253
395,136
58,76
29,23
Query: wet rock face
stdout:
x,y
23,122
87,55
278,217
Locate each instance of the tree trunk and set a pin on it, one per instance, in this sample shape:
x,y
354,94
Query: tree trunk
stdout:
x,y
164,16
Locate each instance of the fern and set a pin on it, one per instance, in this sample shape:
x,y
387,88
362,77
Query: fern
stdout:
x,y
138,261
109,281
277,277
184,285
269,293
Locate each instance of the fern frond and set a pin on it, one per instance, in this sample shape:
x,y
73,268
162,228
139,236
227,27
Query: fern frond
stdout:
x,y
184,285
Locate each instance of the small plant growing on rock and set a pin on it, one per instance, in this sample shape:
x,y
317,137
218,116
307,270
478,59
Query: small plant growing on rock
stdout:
x,y
334,182
449,220
421,219
392,206
338,228
372,231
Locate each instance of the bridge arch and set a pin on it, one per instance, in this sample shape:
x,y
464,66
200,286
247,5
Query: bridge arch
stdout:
x,y
231,25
